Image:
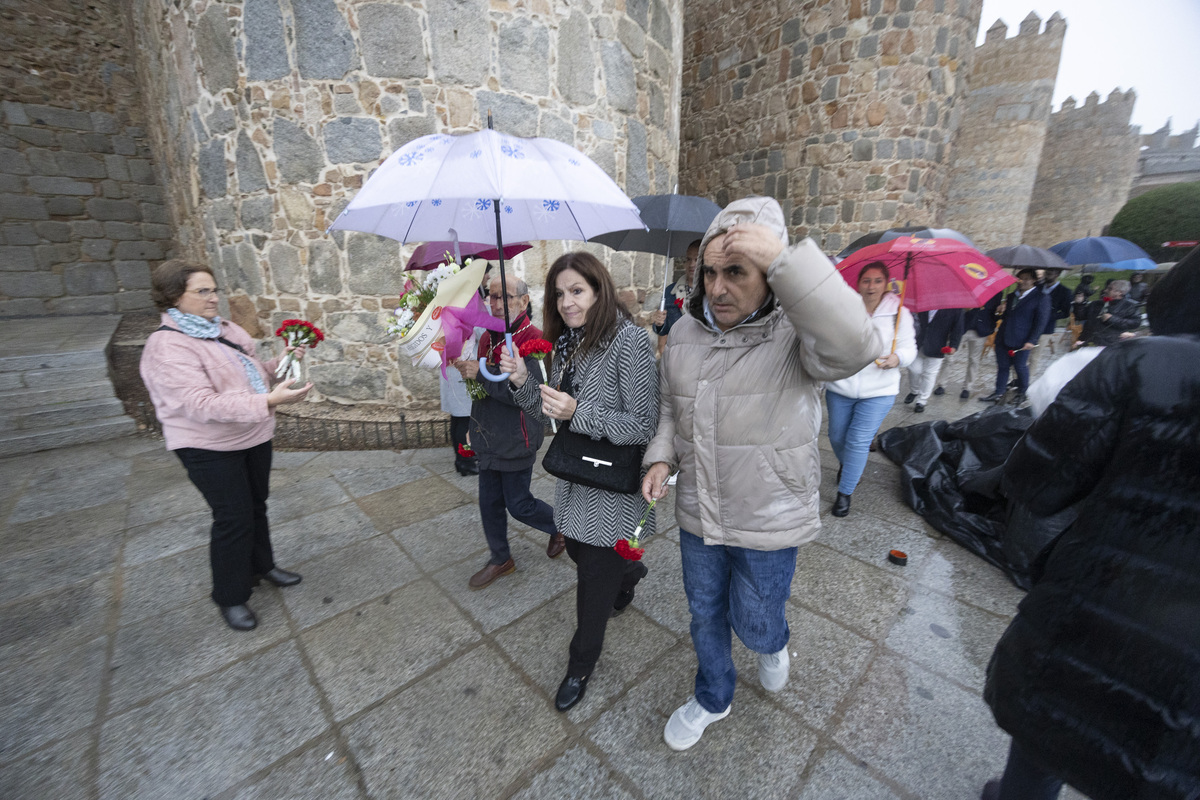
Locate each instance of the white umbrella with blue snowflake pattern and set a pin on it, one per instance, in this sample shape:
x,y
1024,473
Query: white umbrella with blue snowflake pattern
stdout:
x,y
487,187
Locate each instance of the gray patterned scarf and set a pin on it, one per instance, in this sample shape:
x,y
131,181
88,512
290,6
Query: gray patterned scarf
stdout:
x,y
200,328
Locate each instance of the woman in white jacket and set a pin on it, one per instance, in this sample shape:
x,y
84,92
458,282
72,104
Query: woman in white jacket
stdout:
x,y
858,404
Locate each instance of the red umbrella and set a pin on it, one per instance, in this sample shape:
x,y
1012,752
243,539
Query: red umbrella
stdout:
x,y
933,273
430,254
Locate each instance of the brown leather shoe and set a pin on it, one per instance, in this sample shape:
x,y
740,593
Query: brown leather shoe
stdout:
x,y
555,547
490,573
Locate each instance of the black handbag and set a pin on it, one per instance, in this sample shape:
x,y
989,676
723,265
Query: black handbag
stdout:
x,y
578,458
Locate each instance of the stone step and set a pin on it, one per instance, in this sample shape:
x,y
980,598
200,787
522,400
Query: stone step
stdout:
x,y
64,376
23,442
70,359
66,392
62,414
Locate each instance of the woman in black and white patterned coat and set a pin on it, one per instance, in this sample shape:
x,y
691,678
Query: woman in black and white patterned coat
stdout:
x,y
607,385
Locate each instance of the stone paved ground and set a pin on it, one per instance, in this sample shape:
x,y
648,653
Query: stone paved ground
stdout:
x,y
382,676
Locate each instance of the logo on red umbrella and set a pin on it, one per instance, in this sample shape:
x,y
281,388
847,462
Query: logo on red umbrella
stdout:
x,y
976,271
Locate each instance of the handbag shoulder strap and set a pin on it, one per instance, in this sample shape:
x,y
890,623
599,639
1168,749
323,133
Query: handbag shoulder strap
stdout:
x,y
220,339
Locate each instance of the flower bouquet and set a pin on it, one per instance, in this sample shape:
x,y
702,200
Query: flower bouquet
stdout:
x,y
418,320
296,333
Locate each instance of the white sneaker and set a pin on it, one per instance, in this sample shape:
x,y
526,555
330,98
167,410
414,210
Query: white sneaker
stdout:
x,y
687,724
773,669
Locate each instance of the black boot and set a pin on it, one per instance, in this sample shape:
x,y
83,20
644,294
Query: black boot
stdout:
x,y
240,618
841,506
280,577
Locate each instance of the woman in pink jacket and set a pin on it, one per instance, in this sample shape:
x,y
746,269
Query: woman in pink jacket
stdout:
x,y
217,409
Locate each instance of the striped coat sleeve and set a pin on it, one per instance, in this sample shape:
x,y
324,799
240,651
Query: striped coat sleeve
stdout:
x,y
623,404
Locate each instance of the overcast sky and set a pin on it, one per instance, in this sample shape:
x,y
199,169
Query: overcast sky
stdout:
x,y
1151,45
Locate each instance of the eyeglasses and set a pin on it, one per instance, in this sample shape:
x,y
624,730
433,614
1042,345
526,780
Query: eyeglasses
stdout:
x,y
205,293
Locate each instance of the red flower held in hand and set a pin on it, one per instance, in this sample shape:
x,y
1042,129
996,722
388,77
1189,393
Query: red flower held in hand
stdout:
x,y
538,348
679,303
300,332
465,451
628,552
947,350
1012,353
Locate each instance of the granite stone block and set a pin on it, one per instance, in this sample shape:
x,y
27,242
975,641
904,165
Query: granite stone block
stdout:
x,y
307,537
366,654
175,646
348,577
266,42
324,45
588,778
861,597
312,774
48,695
951,638
151,587
249,166
463,732
902,718
214,44
60,771
200,737
837,777
576,77
392,45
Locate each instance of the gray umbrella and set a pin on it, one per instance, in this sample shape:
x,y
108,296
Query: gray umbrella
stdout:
x,y
673,221
919,231
1027,256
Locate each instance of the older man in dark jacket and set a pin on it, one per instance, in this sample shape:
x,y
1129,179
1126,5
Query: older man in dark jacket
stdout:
x,y
1104,320
1098,676
506,443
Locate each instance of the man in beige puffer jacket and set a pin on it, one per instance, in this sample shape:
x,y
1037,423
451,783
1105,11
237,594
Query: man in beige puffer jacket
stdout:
x,y
739,416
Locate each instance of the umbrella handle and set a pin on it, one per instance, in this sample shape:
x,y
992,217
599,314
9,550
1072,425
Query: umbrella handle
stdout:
x,y
483,367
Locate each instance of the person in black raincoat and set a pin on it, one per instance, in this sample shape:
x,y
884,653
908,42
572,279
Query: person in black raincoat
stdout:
x,y
1098,676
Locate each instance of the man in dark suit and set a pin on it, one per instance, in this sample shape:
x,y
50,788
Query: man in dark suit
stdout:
x,y
1060,308
938,335
1023,317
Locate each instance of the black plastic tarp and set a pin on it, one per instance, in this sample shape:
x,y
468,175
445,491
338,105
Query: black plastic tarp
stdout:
x,y
950,474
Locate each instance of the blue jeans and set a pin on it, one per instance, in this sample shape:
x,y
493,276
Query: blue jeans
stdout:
x,y
1019,362
852,425
733,588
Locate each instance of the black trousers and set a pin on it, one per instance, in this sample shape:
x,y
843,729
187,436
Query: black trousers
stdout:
x,y
504,493
235,483
602,575
459,427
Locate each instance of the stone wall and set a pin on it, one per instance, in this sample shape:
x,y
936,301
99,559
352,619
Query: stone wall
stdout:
x,y
1167,159
841,109
1087,168
274,112
82,217
1003,129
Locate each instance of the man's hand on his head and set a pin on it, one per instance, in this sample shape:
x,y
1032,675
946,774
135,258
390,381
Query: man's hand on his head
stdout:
x,y
749,244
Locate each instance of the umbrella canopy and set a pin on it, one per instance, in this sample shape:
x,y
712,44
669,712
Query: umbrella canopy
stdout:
x,y
937,273
484,186
1098,250
1026,256
430,254
671,223
488,185
1133,264
919,231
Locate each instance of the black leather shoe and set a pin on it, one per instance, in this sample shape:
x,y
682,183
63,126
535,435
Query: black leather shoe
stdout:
x,y
240,618
939,390
910,397
841,506
570,692
994,397
467,467
964,394
919,408
281,577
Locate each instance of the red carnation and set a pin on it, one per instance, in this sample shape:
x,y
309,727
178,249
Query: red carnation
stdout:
x,y
538,348
301,333
465,452
679,303
629,553
947,350
1012,353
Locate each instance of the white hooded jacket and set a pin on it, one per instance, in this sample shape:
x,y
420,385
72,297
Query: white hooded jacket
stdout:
x,y
871,381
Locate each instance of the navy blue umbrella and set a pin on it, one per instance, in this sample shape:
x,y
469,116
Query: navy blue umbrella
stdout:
x,y
1098,250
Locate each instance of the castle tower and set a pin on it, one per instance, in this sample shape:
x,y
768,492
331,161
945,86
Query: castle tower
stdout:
x,y
1167,159
999,141
1087,168
843,110
272,113
82,217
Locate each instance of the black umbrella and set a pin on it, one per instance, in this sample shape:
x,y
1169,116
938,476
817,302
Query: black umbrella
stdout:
x,y
919,231
1026,256
673,221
